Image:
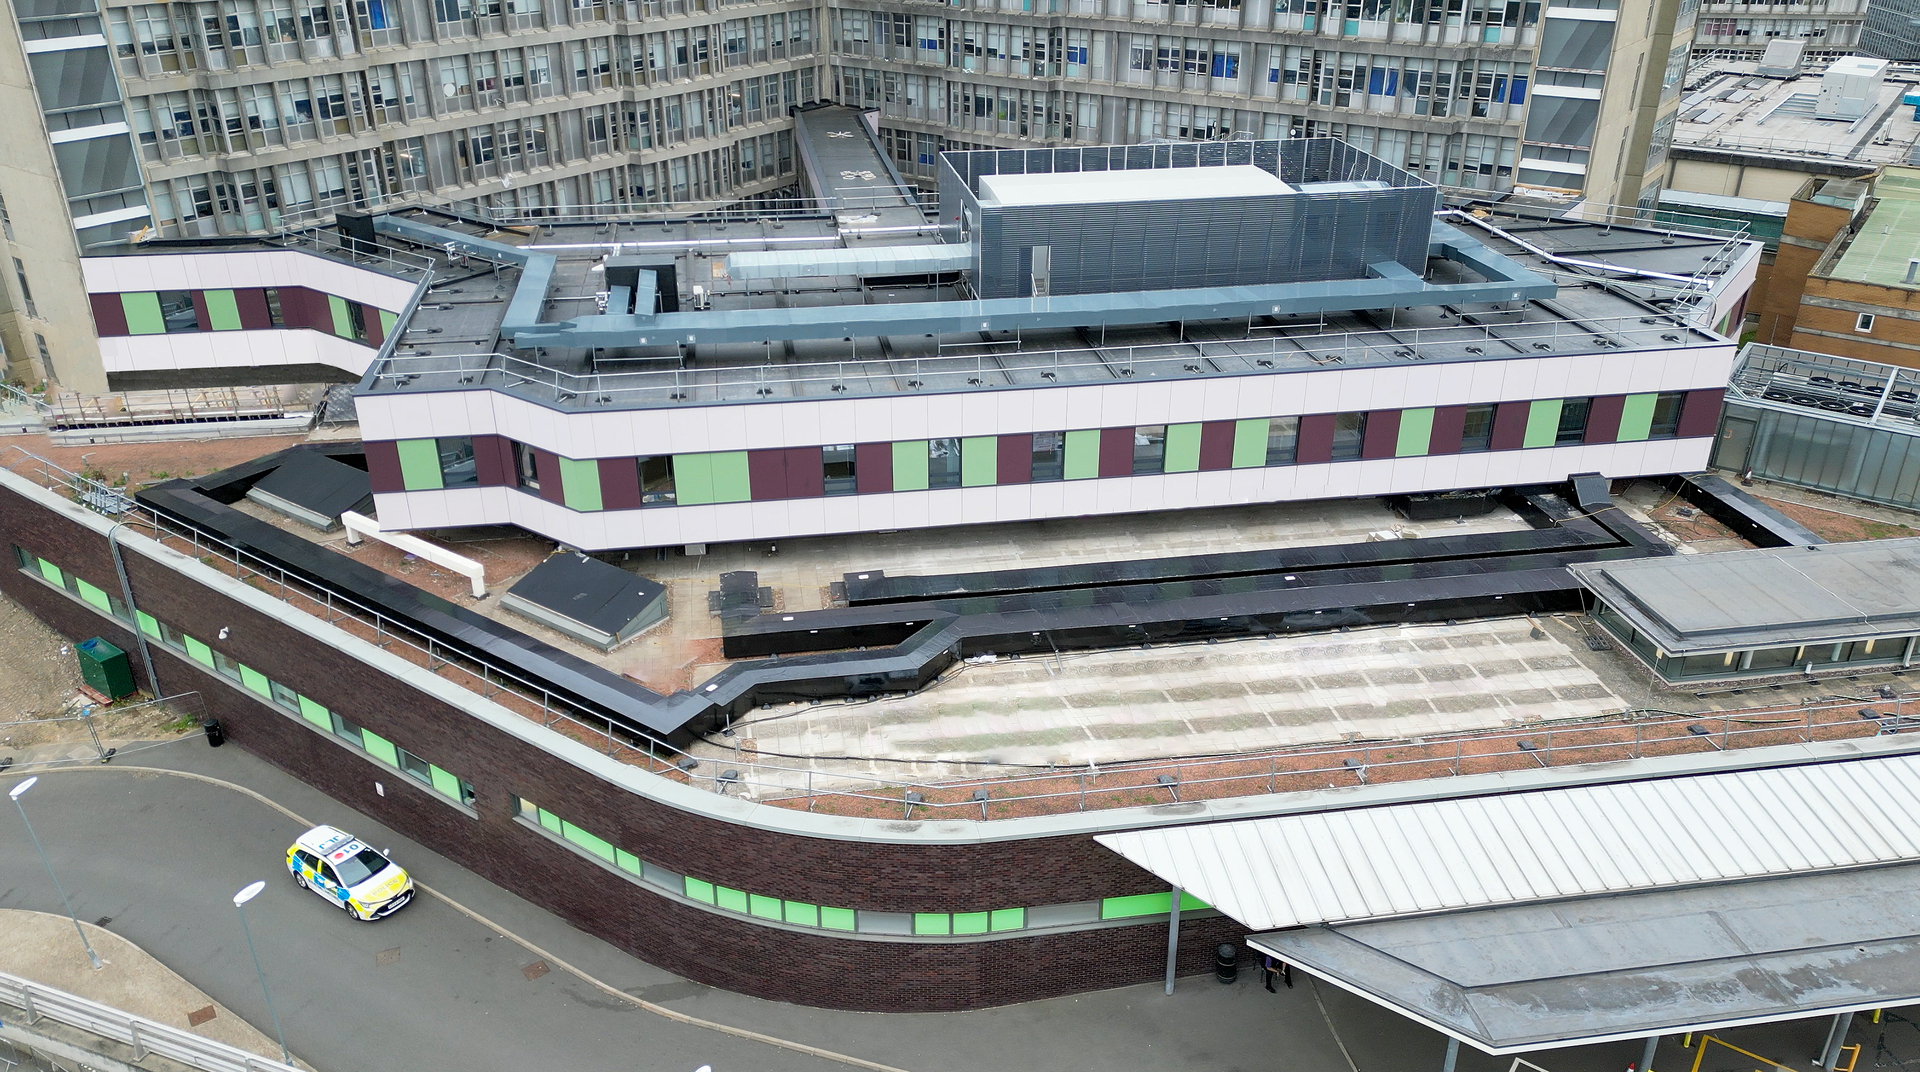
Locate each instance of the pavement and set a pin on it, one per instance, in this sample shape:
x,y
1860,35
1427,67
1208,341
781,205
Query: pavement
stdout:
x,y
160,839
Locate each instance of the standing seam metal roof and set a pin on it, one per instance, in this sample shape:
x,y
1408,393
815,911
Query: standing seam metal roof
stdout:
x,y
1405,859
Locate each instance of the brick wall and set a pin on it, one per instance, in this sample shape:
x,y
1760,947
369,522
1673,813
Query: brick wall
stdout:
x,y
716,949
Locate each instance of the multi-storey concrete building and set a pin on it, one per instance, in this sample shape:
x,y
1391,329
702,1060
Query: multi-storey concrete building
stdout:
x,y
1828,28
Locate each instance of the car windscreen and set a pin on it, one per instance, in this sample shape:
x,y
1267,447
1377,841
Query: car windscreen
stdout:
x,y
360,867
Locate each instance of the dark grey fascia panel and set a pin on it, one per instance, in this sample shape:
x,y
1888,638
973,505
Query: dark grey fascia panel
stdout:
x,y
1392,287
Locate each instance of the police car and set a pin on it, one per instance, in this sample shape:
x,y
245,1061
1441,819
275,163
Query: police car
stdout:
x,y
339,867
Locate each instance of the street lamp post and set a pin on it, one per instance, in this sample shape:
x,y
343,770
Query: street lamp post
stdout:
x,y
15,794
240,902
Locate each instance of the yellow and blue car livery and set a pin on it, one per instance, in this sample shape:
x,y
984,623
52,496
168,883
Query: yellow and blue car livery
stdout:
x,y
344,870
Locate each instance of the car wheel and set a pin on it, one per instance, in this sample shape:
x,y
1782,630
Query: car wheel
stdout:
x,y
300,880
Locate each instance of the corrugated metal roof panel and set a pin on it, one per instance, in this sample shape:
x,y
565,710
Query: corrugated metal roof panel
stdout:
x,y
1402,859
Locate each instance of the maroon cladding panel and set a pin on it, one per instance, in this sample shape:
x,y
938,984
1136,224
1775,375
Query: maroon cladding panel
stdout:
x,y
1382,434
806,473
370,315
383,466
1216,445
619,483
1700,413
547,466
873,467
303,308
1510,425
1449,423
200,317
252,303
1316,439
1116,452
109,316
1603,420
493,461
767,474
1013,459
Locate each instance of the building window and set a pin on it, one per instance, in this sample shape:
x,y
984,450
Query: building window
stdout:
x,y
6,221
273,306
176,311
656,481
1150,449
1283,440
1862,323
838,462
1666,414
1049,456
46,359
357,320
1349,433
26,292
526,472
457,468
943,463
1477,434
1573,421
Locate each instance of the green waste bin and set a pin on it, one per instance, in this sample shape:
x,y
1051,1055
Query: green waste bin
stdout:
x,y
105,668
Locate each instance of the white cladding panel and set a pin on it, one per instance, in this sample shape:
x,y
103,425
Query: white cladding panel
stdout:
x,y
249,268
1403,859
233,349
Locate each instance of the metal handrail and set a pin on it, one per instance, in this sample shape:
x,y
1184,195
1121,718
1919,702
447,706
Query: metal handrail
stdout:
x,y
38,1001
992,371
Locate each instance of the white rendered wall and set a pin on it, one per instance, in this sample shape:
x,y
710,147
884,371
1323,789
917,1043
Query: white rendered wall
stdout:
x,y
779,519
234,349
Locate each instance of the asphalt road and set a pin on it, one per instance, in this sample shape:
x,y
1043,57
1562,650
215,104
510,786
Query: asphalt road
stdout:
x,y
163,856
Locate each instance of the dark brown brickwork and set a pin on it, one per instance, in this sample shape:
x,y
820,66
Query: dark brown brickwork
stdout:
x,y
717,949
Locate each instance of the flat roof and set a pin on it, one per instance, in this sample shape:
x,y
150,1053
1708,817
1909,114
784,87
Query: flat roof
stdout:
x,y
1601,968
1879,251
1765,597
586,590
1145,184
1734,109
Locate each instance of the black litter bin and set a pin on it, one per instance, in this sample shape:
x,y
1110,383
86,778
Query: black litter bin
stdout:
x,y
215,735
1226,962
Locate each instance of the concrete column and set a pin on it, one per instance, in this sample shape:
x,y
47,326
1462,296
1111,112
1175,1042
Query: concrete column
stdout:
x,y
1453,1055
1173,937
1836,1038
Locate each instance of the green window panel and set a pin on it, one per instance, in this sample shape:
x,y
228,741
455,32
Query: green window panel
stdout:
x,y
387,321
342,323
979,461
148,624
445,781
255,680
315,714
380,748
1636,418
420,464
1145,904
626,861
598,846
1007,919
910,465
970,922
1250,443
730,899
699,891
143,314
52,573
1083,454
1183,448
1416,433
222,311
580,483
93,595
711,478
730,482
199,651
764,907
836,919
932,923
1543,423
550,821
803,914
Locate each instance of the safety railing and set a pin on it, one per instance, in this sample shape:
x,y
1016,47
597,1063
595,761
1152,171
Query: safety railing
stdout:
x,y
1035,368
38,1002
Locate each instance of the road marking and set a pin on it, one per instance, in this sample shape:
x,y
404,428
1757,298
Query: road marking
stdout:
x,y
549,958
